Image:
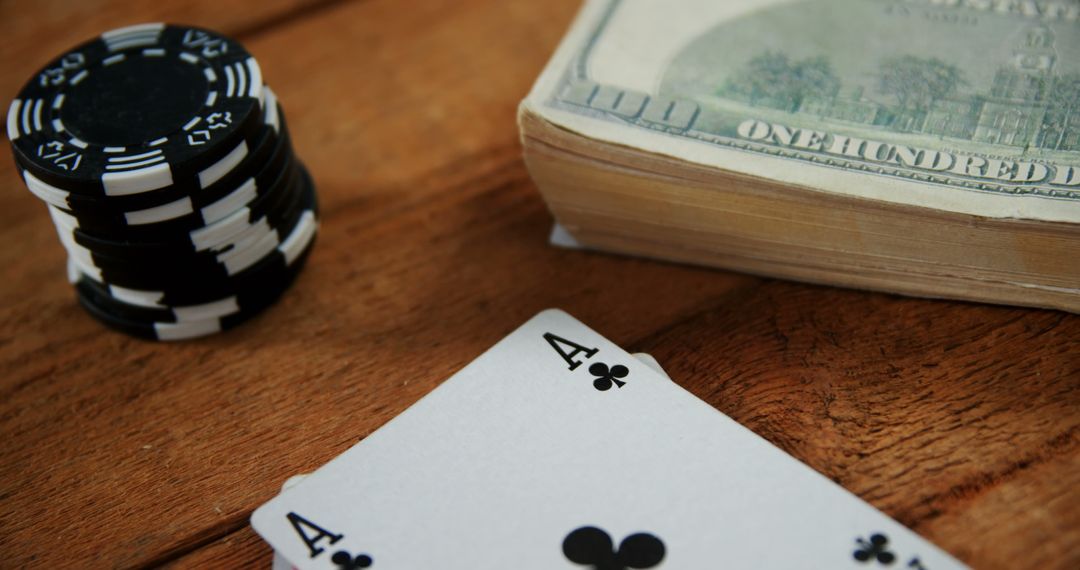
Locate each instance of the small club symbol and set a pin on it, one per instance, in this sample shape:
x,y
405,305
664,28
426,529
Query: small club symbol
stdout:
x,y
592,546
345,561
874,549
605,376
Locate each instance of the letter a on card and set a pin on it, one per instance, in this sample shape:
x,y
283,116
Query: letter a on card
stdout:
x,y
312,541
561,344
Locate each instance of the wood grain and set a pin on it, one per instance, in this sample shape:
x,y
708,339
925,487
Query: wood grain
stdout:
x,y
931,411
35,32
960,420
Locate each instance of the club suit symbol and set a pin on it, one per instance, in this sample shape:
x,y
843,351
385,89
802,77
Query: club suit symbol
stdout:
x,y
345,561
606,377
592,546
874,549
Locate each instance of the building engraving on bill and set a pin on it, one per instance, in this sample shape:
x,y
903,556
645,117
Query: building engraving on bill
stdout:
x,y
1027,105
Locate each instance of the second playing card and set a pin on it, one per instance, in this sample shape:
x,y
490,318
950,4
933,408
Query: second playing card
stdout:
x,y
557,450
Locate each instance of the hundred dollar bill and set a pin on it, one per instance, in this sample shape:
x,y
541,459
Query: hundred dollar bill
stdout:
x,y
968,106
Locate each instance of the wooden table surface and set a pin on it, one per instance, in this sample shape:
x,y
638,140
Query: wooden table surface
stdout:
x,y
959,420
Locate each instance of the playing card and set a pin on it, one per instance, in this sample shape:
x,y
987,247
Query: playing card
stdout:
x,y
279,561
555,449
648,360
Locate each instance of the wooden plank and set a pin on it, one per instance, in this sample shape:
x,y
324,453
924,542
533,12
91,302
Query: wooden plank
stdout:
x,y
36,32
958,419
1027,517
240,549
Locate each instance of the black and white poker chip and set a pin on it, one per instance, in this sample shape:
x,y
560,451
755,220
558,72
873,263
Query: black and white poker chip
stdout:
x,y
172,202
221,217
168,171
138,109
156,320
184,322
259,191
218,267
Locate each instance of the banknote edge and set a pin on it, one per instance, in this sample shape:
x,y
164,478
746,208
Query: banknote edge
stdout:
x,y
569,59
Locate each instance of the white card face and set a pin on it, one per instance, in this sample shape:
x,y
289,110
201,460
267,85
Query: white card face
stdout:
x,y
558,450
279,562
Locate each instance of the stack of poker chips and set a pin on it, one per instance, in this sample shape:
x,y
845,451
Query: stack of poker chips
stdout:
x,y
167,169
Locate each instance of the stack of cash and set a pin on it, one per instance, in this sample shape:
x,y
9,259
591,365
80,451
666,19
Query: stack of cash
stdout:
x,y
922,147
